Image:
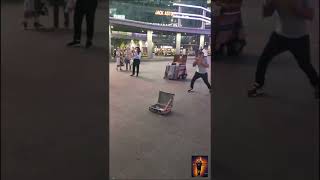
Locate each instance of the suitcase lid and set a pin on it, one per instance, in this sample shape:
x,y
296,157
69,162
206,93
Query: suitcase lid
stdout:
x,y
164,98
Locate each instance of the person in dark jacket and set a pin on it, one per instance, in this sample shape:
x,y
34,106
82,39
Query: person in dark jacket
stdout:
x,y
84,8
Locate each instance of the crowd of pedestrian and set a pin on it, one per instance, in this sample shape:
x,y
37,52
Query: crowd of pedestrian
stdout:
x,y
34,9
130,58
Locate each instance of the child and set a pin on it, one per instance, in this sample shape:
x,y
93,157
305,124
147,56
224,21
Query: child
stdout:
x,y
118,54
33,9
127,58
131,60
69,6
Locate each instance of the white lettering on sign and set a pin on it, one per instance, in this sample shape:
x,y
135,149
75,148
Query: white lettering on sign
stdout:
x,y
163,13
118,16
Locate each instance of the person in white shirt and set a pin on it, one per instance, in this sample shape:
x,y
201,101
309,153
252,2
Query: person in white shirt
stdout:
x,y
290,35
202,65
205,52
136,61
184,52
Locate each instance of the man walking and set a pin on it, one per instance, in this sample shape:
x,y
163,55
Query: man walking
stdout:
x,y
290,35
84,8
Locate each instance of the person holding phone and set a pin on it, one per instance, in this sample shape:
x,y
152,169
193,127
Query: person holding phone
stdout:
x,y
290,35
136,61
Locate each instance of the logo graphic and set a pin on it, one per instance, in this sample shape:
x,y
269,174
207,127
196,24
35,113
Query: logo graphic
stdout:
x,y
199,166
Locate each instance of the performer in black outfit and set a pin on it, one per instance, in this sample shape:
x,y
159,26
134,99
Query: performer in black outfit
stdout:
x,y
84,8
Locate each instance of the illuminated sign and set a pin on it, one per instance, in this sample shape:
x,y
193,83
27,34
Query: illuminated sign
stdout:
x,y
118,16
163,13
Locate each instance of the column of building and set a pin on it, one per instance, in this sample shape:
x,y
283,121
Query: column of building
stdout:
x,y
149,43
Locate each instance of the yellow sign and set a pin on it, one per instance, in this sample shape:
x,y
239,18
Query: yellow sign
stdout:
x,y
163,13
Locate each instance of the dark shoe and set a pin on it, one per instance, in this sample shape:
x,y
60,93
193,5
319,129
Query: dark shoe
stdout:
x,y
25,25
73,43
88,44
242,44
132,75
255,91
190,90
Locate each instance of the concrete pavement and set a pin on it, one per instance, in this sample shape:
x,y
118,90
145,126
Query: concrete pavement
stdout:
x,y
54,106
53,102
276,137
144,145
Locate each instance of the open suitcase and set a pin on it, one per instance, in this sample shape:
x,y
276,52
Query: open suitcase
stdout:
x,y
164,104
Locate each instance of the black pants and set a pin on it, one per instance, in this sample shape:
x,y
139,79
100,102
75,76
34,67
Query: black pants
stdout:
x,y
128,64
299,47
136,64
204,78
80,11
56,5
66,15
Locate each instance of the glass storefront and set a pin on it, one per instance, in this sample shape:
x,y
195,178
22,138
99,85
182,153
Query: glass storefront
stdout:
x,y
156,12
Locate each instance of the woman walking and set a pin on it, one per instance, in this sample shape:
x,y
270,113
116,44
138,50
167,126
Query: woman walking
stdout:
x,y
136,61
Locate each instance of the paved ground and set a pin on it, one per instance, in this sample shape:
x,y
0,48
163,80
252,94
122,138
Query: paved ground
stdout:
x,y
53,102
144,145
276,137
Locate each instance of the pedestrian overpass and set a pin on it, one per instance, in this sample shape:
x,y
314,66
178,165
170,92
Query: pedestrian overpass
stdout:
x,y
138,26
153,27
